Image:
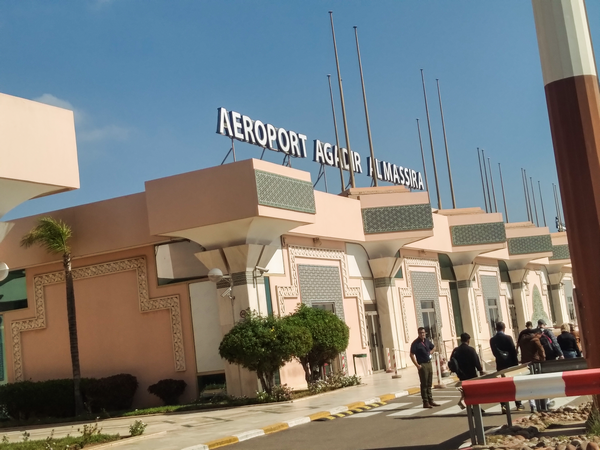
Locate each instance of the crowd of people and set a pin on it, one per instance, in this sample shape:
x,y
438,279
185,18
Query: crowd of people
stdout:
x,y
533,344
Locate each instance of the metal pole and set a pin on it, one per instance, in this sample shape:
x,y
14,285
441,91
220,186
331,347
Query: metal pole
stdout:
x,y
493,189
525,194
437,185
362,80
537,222
479,430
446,145
558,225
503,196
337,63
542,203
423,157
559,203
528,196
337,139
482,183
487,184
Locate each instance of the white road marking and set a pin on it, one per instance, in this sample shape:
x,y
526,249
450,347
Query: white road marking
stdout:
x,y
408,412
366,414
449,411
392,406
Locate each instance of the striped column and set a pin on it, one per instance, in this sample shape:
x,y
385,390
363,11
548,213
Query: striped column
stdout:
x,y
526,387
573,99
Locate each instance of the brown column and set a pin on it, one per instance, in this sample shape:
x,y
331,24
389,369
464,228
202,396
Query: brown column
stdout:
x,y
571,84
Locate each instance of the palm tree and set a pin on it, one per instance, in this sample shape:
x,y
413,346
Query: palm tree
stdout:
x,y
54,236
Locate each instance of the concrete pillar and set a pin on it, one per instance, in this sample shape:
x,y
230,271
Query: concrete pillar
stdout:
x,y
467,299
248,293
517,278
390,316
558,298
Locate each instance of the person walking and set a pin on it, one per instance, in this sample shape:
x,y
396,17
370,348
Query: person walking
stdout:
x,y
568,343
549,342
420,354
532,351
467,359
526,330
575,332
505,352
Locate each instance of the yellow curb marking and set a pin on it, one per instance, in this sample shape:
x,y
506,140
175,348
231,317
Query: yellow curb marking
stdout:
x,y
355,405
319,415
412,391
275,428
386,397
222,442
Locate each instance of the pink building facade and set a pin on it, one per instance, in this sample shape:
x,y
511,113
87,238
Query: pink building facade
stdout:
x,y
380,258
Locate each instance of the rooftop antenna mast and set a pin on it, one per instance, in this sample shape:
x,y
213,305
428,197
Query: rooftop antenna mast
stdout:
x,y
487,184
423,157
529,219
542,202
482,183
528,196
503,196
362,80
493,189
337,139
446,145
437,185
537,222
337,63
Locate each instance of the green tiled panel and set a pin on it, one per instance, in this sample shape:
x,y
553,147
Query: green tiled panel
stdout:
x,y
560,252
387,219
529,244
476,234
284,192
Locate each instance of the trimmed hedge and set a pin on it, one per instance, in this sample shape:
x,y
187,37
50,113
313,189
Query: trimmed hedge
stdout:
x,y
55,398
168,390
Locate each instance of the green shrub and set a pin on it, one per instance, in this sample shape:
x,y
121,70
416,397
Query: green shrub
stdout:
x,y
112,393
335,381
55,398
137,428
168,390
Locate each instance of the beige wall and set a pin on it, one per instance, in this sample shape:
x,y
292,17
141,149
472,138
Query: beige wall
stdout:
x,y
114,335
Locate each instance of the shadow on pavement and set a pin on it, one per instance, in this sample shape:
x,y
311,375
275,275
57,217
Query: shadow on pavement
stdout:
x,y
450,444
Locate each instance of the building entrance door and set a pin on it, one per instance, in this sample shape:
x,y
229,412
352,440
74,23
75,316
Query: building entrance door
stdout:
x,y
375,344
430,323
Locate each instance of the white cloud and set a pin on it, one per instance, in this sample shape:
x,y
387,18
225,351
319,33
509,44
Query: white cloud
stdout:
x,y
110,132
86,131
50,99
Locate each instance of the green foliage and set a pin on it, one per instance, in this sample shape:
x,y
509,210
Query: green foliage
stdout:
x,y
329,335
264,344
592,423
168,390
54,398
112,393
66,443
282,393
51,234
335,381
137,428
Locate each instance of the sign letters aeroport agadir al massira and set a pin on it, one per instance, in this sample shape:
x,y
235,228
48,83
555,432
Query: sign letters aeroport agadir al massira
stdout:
x,y
243,128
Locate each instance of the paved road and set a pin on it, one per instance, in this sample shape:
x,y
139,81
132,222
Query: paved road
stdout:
x,y
401,424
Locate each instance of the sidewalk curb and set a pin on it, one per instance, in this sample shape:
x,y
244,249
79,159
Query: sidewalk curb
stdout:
x,y
280,426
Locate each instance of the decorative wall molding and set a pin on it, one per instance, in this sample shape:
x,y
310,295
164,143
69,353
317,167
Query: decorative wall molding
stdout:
x,y
412,263
293,291
146,303
479,292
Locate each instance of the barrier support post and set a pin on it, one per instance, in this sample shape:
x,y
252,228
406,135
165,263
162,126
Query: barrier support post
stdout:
x,y
396,375
471,425
388,368
479,431
438,369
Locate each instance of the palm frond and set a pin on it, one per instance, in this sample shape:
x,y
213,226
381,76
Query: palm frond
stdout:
x,y
52,234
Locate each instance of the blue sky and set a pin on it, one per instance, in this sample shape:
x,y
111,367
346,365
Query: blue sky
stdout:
x,y
145,79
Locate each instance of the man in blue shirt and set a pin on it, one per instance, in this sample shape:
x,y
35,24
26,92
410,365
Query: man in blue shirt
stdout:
x,y
420,354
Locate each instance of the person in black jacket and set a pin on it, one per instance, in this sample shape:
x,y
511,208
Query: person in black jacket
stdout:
x,y
503,348
568,343
467,359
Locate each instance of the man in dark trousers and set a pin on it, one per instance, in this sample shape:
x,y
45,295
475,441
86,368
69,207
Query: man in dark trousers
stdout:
x,y
420,354
503,348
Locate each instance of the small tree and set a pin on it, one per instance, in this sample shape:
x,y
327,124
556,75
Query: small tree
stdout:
x,y
263,345
329,335
54,236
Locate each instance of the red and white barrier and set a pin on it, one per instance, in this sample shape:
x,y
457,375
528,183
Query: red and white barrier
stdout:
x,y
389,361
526,387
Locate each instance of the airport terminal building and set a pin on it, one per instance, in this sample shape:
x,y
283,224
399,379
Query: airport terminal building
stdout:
x,y
380,258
